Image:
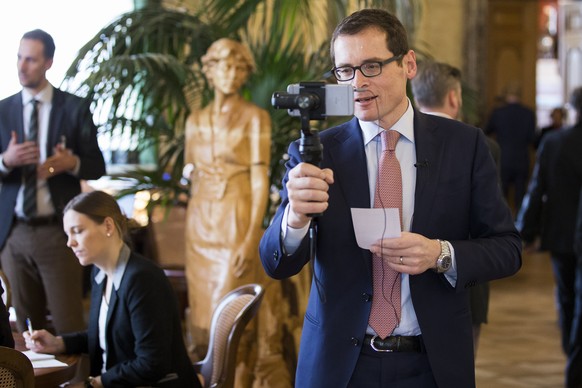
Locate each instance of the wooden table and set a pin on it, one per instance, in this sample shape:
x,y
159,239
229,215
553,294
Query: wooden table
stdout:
x,y
51,377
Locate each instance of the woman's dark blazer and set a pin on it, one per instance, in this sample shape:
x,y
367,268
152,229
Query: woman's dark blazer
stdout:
x,y
144,334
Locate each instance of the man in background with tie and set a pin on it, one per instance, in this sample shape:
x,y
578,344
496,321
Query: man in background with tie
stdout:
x,y
396,314
48,144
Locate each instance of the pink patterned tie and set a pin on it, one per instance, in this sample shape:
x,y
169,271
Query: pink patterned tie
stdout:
x,y
385,314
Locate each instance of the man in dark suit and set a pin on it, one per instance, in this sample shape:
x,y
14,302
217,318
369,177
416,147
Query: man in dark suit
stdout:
x,y
39,174
513,125
437,90
449,193
549,211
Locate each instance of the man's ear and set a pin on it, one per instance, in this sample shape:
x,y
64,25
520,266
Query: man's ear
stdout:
x,y
410,63
454,100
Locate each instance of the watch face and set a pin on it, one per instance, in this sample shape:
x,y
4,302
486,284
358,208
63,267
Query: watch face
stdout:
x,y
444,263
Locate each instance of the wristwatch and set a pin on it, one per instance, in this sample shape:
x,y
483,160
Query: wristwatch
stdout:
x,y
89,382
444,261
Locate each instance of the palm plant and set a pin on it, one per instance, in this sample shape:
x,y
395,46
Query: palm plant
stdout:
x,y
142,71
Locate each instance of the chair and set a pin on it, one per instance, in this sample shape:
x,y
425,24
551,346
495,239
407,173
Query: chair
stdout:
x,y
229,320
16,370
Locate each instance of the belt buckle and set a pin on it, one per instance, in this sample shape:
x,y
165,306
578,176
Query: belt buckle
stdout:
x,y
377,349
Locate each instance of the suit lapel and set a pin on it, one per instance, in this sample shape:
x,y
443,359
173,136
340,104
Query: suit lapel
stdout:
x,y
348,161
93,331
54,129
112,305
17,117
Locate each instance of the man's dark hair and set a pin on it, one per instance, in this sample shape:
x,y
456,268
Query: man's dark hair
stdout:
x,y
396,37
45,38
433,81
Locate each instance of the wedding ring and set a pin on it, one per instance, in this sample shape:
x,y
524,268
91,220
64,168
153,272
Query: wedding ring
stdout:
x,y
401,261
51,170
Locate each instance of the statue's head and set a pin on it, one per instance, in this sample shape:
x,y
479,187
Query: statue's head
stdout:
x,y
227,65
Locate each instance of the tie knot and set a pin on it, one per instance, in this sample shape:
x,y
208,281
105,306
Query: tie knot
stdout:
x,y
389,140
34,103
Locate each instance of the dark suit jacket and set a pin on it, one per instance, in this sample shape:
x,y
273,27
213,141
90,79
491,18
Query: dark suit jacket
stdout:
x,y
144,333
70,116
457,198
578,231
550,207
514,127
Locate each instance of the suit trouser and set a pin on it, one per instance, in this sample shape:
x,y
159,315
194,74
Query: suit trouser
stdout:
x,y
568,276
574,362
564,267
44,274
398,370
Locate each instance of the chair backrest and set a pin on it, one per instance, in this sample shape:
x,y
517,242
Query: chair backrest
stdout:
x,y
15,369
229,320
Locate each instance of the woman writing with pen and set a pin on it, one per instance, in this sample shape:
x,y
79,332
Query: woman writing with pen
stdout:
x,y
134,336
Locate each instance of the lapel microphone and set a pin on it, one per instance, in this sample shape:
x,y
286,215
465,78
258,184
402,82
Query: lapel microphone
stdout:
x,y
422,164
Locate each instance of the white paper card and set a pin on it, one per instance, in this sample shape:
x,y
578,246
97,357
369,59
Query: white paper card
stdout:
x,y
33,356
371,225
48,363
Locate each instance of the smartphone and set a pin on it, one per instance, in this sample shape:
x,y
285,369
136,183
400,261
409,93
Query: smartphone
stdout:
x,y
338,100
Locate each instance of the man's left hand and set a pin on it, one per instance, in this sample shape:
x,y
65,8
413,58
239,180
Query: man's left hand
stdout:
x,y
62,160
410,253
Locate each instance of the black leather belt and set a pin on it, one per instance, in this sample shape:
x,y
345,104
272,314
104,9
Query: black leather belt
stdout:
x,y
39,221
395,343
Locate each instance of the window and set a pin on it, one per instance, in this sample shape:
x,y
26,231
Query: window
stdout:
x,y
78,22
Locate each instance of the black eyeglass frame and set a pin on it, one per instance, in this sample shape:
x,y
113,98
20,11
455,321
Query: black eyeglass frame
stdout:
x,y
354,68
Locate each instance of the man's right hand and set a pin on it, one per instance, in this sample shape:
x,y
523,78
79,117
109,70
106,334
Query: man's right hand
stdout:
x,y
20,154
307,189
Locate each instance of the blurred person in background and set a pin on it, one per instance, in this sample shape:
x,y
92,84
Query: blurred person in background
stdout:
x,y
513,125
48,145
549,213
558,118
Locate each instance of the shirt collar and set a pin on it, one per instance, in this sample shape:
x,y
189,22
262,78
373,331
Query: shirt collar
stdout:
x,y
440,114
404,125
119,269
44,96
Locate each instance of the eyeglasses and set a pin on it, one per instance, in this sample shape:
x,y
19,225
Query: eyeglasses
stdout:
x,y
368,69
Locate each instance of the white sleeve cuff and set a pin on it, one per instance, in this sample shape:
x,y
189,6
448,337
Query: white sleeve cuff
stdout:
x,y
451,274
3,169
291,237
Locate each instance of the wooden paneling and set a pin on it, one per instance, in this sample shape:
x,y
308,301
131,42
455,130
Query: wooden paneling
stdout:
x,y
512,49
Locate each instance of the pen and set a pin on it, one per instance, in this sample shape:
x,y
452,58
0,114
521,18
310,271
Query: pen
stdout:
x,y
29,324
63,142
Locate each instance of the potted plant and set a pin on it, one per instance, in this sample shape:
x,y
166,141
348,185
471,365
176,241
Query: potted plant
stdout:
x,y
142,73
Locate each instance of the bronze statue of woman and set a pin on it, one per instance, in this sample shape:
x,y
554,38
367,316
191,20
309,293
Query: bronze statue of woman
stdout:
x,y
228,144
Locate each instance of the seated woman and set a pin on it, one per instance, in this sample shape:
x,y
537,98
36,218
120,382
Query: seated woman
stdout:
x,y
134,336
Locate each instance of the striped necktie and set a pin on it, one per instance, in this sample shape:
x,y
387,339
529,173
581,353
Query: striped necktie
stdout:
x,y
30,181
